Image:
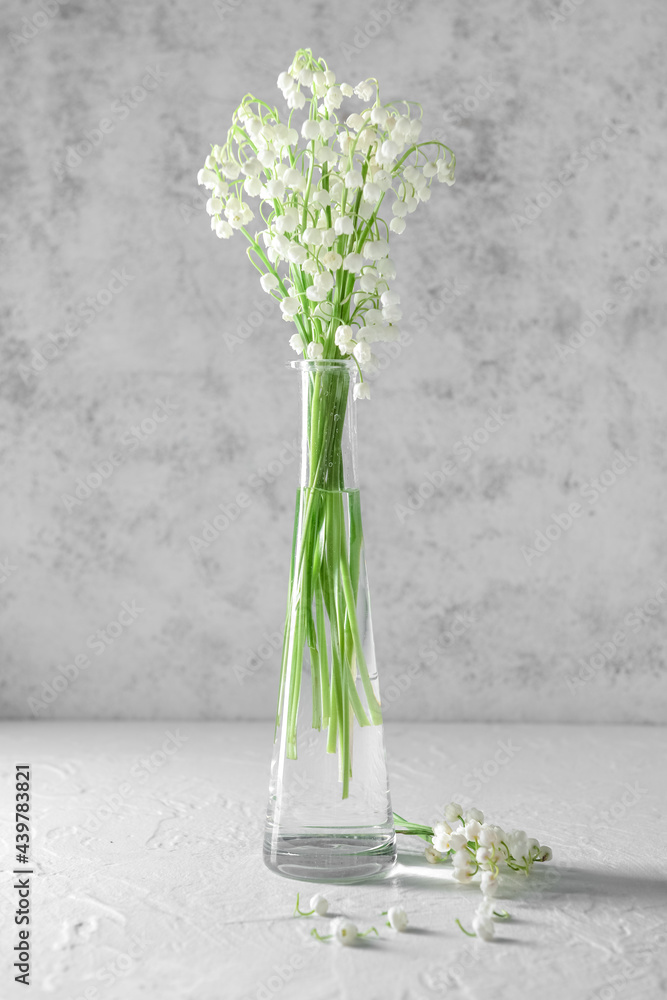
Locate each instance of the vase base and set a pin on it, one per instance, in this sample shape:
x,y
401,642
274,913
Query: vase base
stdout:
x,y
331,858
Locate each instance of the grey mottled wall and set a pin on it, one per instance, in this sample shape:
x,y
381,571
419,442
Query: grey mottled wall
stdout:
x,y
533,288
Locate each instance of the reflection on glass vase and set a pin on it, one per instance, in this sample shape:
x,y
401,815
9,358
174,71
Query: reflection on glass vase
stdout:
x,y
329,814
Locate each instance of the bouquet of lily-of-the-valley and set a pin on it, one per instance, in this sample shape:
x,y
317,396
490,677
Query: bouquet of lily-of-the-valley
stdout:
x,y
330,181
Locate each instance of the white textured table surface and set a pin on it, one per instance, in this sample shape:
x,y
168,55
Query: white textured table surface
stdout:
x,y
149,880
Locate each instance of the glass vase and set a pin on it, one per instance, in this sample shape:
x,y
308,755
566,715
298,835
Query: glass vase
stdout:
x,y
329,815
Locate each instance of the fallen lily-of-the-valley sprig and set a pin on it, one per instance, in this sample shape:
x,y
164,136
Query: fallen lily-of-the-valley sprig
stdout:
x,y
473,846
331,192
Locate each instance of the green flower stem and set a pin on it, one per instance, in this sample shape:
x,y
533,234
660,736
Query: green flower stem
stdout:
x,y
323,589
373,705
316,678
257,249
335,700
304,218
324,664
298,912
355,699
356,541
345,755
284,659
422,831
469,933
413,829
315,441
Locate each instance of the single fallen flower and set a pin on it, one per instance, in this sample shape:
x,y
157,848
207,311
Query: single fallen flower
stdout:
x,y
344,932
398,918
482,923
318,904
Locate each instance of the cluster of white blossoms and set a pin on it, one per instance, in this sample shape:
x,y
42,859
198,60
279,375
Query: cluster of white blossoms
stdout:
x,y
323,250
472,846
475,846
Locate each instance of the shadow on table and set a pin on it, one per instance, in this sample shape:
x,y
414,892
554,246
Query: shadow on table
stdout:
x,y
413,871
609,884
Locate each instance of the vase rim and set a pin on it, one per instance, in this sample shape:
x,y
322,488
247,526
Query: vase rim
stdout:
x,y
323,364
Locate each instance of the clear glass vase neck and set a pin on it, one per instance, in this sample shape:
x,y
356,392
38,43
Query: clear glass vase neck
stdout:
x,y
328,424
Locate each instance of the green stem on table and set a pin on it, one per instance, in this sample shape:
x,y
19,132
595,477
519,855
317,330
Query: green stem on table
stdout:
x,y
469,933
